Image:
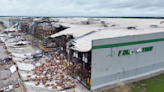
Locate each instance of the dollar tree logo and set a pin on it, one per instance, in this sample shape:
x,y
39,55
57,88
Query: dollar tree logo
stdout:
x,y
130,51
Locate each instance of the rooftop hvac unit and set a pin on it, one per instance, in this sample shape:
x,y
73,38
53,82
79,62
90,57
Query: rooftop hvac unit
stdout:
x,y
131,27
104,24
153,26
161,22
85,22
112,25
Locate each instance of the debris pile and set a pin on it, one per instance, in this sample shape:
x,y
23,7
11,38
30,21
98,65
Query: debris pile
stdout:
x,y
53,73
7,89
17,85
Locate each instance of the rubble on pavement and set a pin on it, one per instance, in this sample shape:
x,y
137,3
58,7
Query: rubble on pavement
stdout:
x,y
52,74
6,89
47,71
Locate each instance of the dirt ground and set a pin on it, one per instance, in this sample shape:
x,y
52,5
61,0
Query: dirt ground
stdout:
x,y
123,88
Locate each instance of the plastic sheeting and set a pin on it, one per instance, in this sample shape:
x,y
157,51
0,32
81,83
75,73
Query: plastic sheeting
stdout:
x,y
11,40
23,56
25,67
38,51
3,39
23,42
13,69
11,29
19,55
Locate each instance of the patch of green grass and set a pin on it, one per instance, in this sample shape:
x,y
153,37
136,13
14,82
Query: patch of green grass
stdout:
x,y
155,84
3,26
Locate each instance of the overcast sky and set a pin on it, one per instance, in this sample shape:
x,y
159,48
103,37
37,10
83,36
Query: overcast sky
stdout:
x,y
82,7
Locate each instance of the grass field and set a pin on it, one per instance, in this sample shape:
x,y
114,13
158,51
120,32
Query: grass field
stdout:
x,y
155,84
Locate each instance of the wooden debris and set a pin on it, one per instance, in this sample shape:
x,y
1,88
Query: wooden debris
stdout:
x,y
4,78
60,89
37,83
28,75
47,85
54,87
17,86
57,71
52,84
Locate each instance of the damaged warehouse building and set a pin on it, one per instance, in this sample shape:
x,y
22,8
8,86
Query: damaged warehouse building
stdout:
x,y
42,28
112,52
100,52
9,21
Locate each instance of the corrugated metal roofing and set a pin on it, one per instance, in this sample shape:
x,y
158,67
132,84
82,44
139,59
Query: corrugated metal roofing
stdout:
x,y
83,41
78,31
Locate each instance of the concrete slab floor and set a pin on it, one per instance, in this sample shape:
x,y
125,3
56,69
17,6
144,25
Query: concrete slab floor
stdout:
x,y
6,73
3,53
10,78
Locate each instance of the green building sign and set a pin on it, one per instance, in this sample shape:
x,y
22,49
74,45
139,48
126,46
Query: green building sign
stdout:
x,y
129,51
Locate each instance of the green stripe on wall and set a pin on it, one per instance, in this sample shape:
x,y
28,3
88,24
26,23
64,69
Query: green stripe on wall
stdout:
x,y
127,43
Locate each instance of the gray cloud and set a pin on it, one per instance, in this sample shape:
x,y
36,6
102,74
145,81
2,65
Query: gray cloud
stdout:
x,y
82,7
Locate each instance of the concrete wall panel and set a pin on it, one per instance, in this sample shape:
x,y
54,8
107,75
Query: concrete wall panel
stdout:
x,y
105,41
109,68
5,22
104,64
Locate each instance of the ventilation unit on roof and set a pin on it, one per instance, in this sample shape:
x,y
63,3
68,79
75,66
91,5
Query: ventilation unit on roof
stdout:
x,y
161,22
104,24
112,25
85,22
153,26
131,27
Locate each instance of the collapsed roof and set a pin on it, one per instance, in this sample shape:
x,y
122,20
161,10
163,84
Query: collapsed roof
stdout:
x,y
13,28
84,34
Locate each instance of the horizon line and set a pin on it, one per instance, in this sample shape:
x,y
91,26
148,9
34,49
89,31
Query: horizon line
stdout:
x,y
79,16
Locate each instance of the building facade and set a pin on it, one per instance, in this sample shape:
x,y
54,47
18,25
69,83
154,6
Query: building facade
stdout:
x,y
9,21
123,58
